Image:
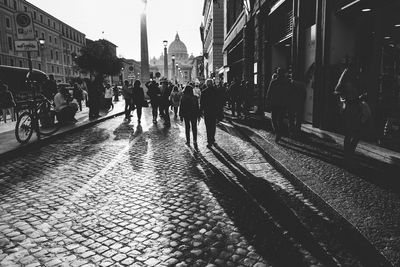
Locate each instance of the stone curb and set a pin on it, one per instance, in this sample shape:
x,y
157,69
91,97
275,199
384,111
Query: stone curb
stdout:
x,y
39,143
293,173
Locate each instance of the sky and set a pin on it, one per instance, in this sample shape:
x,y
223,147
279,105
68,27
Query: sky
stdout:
x,y
120,22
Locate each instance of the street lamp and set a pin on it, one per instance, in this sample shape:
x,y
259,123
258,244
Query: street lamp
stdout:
x,y
173,68
165,42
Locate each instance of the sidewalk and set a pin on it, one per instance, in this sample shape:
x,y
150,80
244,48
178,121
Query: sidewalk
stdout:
x,y
366,198
9,144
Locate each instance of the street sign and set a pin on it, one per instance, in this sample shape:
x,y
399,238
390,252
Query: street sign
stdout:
x,y
26,45
24,26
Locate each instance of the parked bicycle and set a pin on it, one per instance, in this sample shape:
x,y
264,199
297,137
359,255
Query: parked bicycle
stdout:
x,y
40,117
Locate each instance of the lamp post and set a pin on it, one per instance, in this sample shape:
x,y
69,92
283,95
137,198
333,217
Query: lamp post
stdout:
x,y
173,68
144,50
42,42
165,42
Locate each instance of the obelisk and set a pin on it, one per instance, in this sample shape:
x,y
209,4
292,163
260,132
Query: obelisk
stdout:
x,y
144,49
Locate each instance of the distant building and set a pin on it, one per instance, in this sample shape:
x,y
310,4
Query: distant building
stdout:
x,y
178,49
131,70
62,42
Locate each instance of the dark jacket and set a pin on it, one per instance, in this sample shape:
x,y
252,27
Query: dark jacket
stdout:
x,y
189,108
138,96
278,92
297,94
209,101
153,92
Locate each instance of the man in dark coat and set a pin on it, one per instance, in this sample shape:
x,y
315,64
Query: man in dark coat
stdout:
x,y
165,102
277,98
209,107
154,93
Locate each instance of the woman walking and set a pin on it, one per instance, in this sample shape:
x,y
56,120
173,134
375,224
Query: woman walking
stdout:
x,y
175,98
189,111
78,95
138,99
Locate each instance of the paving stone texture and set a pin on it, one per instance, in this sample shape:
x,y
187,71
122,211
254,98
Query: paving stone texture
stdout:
x,y
119,194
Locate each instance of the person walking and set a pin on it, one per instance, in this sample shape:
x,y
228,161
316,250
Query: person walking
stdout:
x,y
138,99
128,96
189,111
78,95
154,93
7,103
175,99
209,107
297,97
95,87
116,93
108,94
165,103
234,90
348,90
277,97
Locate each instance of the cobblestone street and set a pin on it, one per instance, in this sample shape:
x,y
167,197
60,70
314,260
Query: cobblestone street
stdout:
x,y
120,194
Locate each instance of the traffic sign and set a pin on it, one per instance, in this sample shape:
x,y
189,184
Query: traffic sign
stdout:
x,y
26,45
24,24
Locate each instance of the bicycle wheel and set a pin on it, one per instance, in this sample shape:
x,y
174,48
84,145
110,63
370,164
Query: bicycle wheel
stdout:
x,y
46,121
24,127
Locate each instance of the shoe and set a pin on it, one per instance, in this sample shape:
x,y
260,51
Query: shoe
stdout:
x,y
209,145
187,143
195,146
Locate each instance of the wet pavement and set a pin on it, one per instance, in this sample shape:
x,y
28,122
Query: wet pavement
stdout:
x,y
122,194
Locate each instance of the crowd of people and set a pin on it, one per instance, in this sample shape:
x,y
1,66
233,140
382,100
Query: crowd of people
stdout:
x,y
285,97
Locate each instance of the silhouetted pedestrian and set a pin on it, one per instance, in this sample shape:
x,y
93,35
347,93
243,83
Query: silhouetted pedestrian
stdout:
x,y
78,95
138,99
189,111
128,96
209,107
165,102
234,91
154,93
277,97
7,102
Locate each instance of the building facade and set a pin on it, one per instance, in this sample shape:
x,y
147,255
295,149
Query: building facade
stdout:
x,y
315,40
212,31
182,63
62,43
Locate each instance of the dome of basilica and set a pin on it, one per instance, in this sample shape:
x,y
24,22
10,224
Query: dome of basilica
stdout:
x,y
178,48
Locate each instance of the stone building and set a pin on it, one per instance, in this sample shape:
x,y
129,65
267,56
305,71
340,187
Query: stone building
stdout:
x,y
183,63
212,34
61,42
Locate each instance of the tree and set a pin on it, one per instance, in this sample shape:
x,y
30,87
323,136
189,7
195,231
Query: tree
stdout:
x,y
98,57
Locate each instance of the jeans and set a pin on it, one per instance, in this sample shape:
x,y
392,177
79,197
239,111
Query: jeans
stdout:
x,y
192,121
